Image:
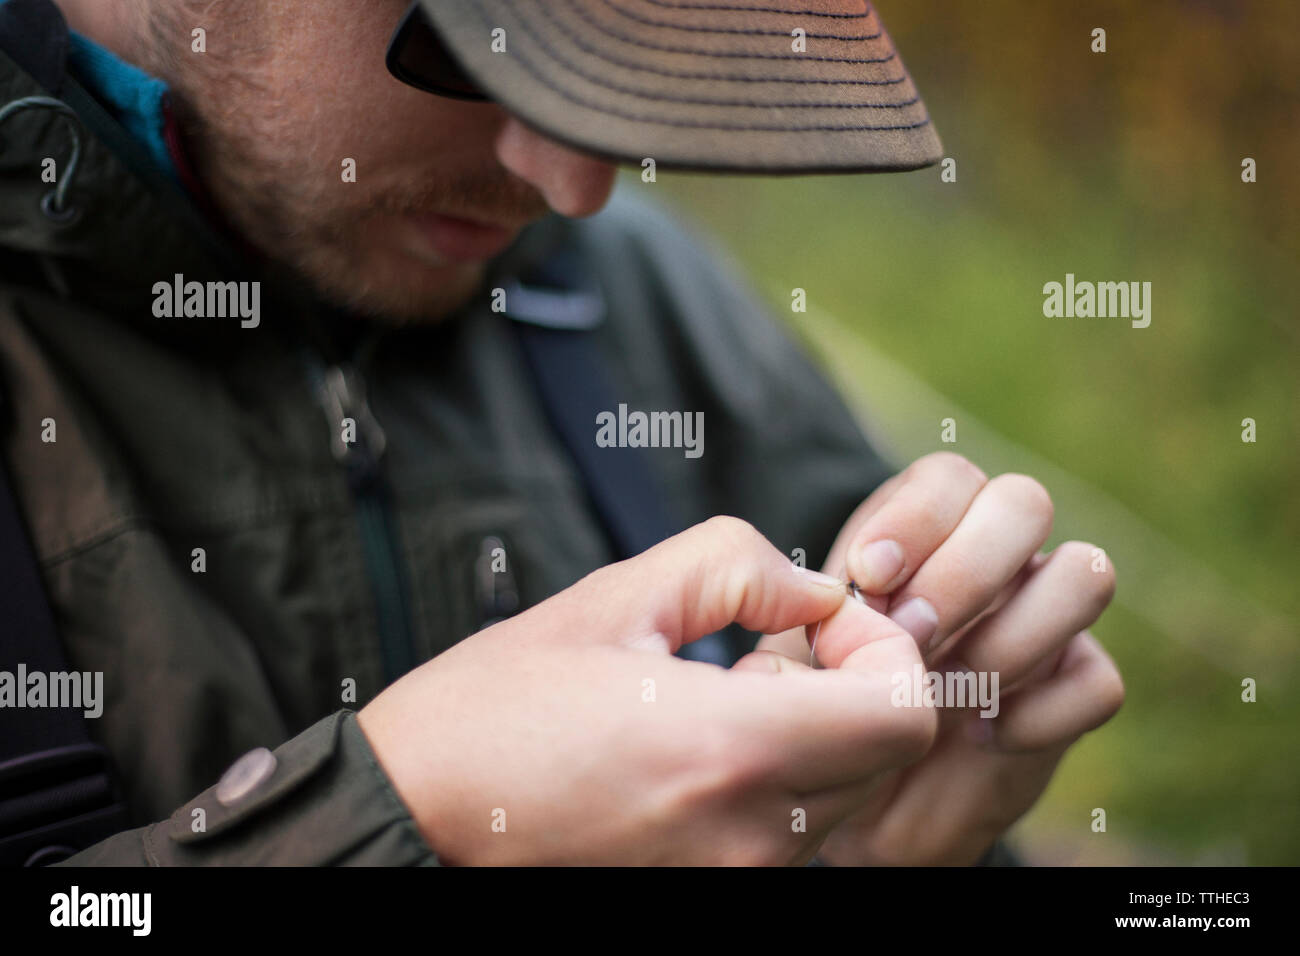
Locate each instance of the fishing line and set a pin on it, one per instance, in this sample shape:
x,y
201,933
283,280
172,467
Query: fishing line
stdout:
x,y
853,591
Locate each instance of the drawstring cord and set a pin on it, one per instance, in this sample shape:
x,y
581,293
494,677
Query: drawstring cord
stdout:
x,y
54,203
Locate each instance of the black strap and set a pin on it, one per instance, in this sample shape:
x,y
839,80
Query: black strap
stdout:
x,y
569,372
29,641
572,388
57,792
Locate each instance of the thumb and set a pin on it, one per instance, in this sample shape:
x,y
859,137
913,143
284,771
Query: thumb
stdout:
x,y
859,637
710,575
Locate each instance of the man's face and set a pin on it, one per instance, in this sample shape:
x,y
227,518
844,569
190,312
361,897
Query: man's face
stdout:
x,y
290,89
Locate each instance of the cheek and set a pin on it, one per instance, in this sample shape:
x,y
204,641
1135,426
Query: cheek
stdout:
x,y
355,108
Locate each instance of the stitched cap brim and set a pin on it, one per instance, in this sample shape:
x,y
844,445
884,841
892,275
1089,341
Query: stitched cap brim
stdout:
x,y
699,84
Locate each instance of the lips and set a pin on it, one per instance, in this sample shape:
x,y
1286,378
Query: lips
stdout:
x,y
464,240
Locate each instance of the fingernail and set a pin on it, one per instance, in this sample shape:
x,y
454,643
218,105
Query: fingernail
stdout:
x,y
819,579
880,562
918,618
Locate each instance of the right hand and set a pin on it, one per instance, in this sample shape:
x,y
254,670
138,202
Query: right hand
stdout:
x,y
545,716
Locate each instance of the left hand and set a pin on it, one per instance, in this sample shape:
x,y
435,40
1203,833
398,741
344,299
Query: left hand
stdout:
x,y
990,602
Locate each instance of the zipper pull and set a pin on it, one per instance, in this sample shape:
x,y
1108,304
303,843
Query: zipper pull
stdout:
x,y
357,440
494,582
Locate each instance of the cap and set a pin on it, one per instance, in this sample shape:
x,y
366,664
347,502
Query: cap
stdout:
x,y
764,86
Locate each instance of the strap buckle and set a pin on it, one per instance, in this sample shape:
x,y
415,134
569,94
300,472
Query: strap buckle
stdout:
x,y
55,803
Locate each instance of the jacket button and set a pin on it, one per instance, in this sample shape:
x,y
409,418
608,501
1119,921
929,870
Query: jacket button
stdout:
x,y
244,775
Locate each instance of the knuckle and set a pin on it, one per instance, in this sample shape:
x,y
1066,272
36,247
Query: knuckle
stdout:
x,y
981,581
1110,691
736,532
950,465
1028,494
1077,554
747,553
1099,582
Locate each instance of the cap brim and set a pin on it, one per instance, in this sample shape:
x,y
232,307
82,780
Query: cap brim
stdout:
x,y
707,87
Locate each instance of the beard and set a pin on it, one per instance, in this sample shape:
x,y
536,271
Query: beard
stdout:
x,y
355,245
359,248
270,160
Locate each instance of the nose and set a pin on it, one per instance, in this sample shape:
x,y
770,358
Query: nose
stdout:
x,y
573,183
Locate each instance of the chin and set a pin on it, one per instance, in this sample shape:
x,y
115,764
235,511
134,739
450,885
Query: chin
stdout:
x,y
399,290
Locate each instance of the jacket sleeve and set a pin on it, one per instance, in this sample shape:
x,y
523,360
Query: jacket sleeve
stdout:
x,y
322,800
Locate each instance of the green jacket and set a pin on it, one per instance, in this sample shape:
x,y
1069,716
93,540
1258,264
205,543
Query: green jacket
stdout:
x,y
179,434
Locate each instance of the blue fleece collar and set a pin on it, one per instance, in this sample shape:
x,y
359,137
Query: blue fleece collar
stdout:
x,y
135,98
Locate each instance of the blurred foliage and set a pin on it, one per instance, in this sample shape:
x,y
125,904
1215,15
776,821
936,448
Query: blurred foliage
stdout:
x,y
1117,166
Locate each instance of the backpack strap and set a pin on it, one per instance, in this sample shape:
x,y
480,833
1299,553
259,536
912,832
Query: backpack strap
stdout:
x,y
554,314
57,790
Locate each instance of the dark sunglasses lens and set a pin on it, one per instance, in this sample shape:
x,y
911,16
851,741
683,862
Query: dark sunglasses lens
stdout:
x,y
417,56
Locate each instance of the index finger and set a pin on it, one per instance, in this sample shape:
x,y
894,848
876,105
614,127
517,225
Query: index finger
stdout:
x,y
932,496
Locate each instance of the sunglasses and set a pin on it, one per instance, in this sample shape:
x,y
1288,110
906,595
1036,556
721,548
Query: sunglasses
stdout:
x,y
418,57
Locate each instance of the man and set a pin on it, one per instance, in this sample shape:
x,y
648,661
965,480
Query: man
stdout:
x,y
276,516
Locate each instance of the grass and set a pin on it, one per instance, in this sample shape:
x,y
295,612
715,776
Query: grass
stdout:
x,y
925,301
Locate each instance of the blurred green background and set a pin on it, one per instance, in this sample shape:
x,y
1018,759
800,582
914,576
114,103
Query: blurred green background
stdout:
x,y
925,302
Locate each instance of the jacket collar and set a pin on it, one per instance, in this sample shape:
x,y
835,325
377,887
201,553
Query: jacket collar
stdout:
x,y
131,224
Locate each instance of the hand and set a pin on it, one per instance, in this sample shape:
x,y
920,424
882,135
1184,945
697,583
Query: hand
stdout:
x,y
542,722
964,577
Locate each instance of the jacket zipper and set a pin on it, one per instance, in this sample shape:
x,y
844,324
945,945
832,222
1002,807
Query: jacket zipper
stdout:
x,y
496,593
342,393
